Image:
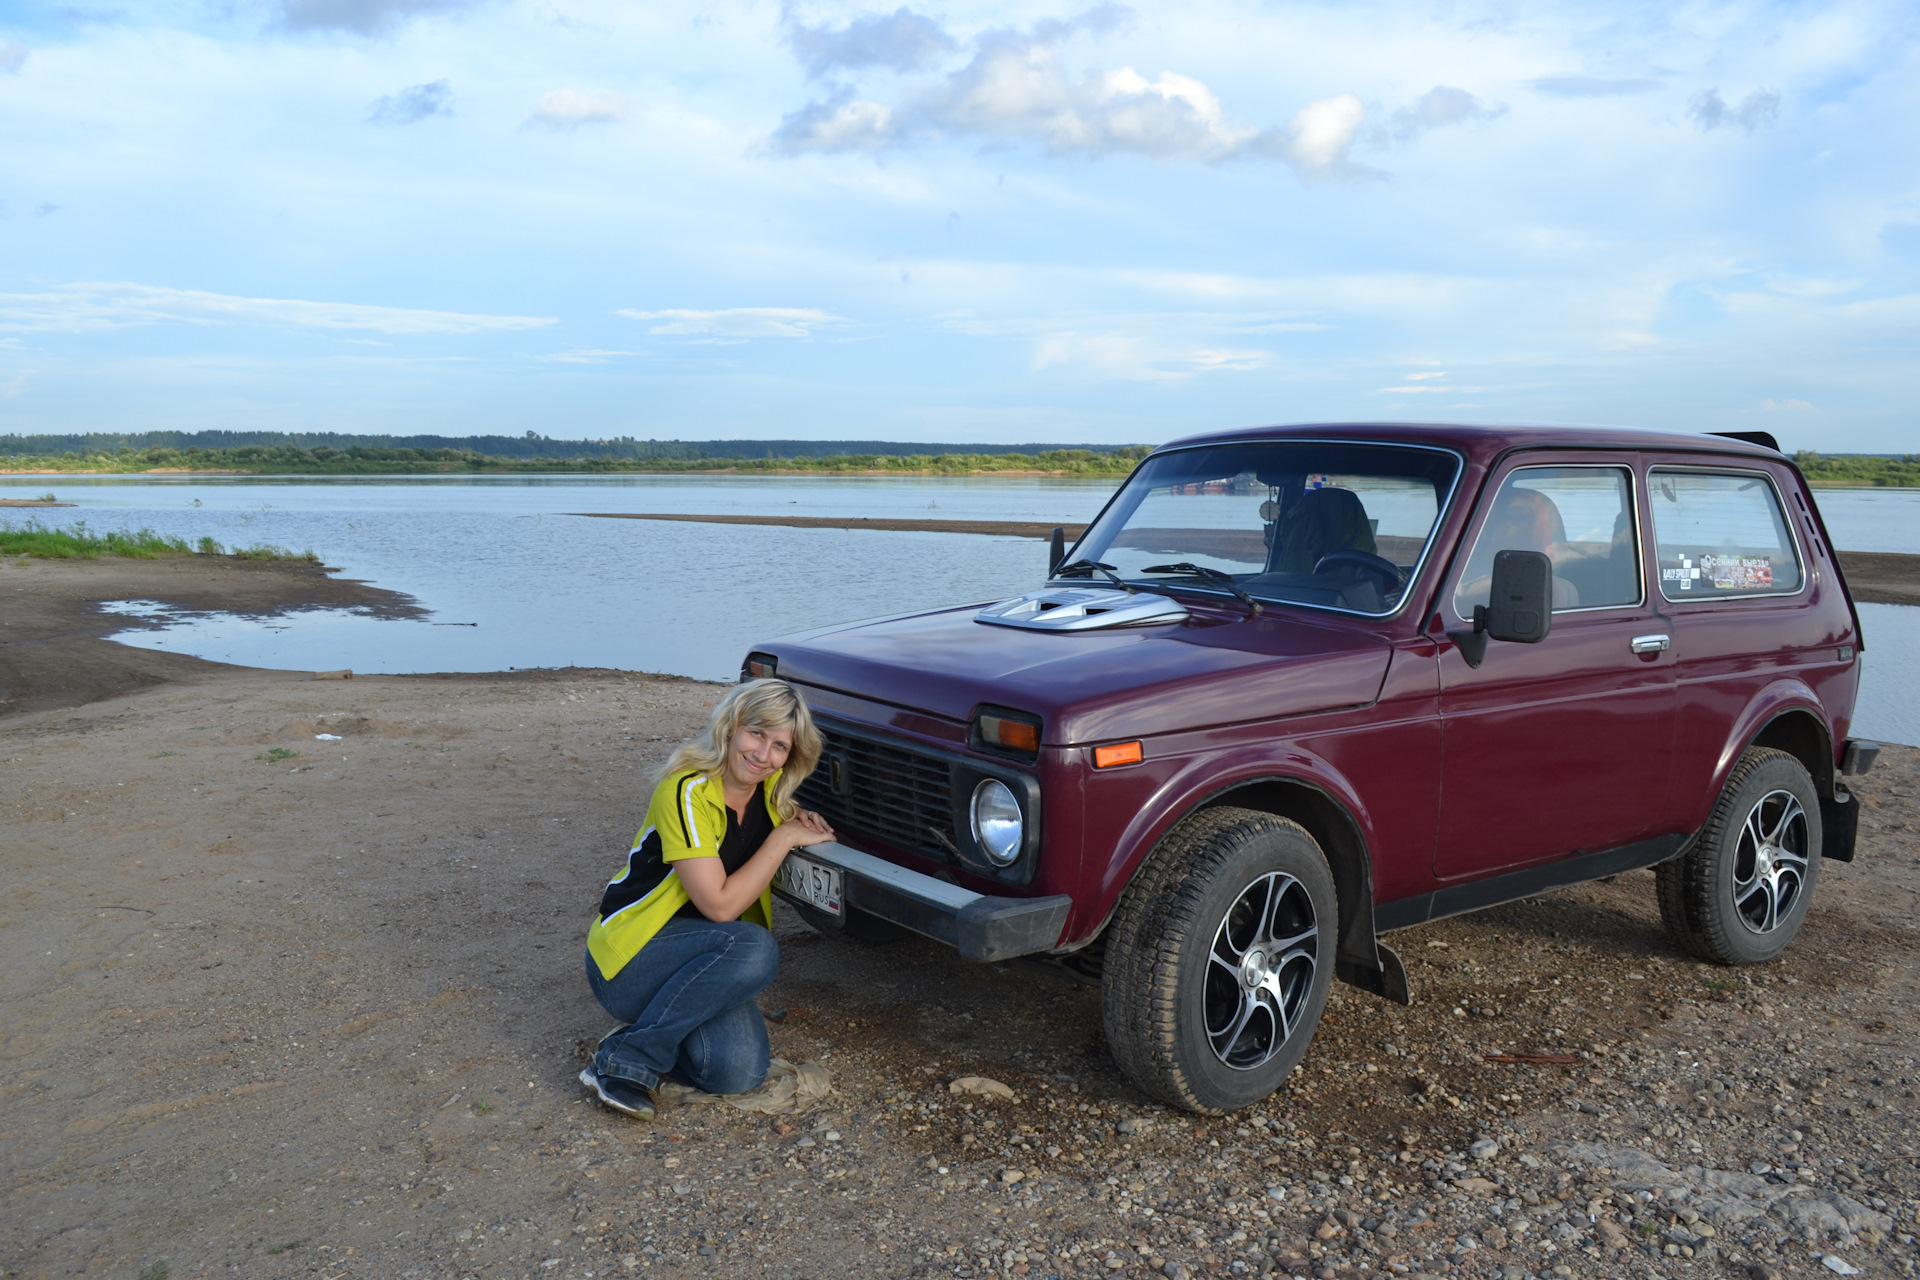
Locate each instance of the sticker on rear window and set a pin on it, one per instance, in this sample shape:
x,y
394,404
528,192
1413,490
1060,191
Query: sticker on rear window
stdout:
x,y
1739,573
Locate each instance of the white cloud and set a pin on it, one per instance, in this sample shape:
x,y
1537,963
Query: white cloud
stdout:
x,y
900,41
1439,107
1591,86
12,58
91,308
1317,139
1758,110
737,323
1015,88
571,108
414,103
12,390
364,17
1771,405
841,123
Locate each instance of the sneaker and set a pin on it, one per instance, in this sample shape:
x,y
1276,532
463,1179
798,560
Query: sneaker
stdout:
x,y
623,1096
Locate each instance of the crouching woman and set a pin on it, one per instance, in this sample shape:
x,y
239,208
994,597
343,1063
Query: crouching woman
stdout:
x,y
683,940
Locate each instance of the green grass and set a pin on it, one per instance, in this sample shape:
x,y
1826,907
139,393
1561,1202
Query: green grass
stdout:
x,y
276,754
373,460
77,542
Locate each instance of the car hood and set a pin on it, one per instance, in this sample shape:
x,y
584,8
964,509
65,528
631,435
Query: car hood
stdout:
x,y
1091,686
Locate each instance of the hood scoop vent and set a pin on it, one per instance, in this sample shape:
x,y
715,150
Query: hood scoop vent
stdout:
x,y
1081,609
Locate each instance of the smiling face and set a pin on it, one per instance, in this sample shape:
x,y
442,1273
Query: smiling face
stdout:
x,y
756,751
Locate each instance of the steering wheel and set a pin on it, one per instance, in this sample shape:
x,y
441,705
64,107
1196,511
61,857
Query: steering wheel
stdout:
x,y
1389,573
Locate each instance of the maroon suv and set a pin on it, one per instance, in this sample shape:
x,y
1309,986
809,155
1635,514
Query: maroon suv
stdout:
x,y
1297,687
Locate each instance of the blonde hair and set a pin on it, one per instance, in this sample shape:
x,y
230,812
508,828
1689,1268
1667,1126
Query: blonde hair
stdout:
x,y
756,704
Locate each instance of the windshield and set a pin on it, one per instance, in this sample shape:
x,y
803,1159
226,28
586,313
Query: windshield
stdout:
x,y
1337,526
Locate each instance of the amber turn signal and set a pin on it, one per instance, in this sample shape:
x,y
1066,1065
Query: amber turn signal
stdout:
x,y
1010,734
1118,753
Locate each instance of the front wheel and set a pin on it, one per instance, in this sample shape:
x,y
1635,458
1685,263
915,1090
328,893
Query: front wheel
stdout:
x,y
1220,959
1740,892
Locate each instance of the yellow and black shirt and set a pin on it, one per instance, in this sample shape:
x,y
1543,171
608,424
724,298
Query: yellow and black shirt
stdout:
x,y
688,818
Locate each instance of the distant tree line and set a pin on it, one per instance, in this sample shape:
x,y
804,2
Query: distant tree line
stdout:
x,y
532,445
322,459
1891,470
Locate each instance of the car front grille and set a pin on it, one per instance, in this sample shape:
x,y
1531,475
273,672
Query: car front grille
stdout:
x,y
884,790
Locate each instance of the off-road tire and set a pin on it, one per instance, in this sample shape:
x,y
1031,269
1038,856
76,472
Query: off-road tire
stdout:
x,y
1158,945
1697,888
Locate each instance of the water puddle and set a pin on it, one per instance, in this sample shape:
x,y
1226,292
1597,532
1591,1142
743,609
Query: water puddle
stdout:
x,y
306,639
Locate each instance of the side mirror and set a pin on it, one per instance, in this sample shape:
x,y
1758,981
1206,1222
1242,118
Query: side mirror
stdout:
x,y
1519,605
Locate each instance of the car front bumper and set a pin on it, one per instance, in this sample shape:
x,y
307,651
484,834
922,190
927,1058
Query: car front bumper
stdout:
x,y
981,927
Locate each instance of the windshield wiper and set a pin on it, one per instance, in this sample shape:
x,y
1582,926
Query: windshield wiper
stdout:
x,y
1086,569
1190,570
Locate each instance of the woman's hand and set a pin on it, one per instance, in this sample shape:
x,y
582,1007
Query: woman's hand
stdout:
x,y
721,897
805,827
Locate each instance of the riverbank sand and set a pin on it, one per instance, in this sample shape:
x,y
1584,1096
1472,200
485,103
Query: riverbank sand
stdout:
x,y
277,1005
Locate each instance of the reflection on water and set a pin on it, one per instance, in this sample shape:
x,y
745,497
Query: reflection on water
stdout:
x,y
540,588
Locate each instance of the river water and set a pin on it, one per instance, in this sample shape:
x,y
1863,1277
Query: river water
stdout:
x,y
545,588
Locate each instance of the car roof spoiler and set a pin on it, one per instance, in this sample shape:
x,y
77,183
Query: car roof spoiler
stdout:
x,y
1762,438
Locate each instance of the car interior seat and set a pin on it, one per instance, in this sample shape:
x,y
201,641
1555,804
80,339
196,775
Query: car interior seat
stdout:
x,y
1522,520
1623,563
1321,521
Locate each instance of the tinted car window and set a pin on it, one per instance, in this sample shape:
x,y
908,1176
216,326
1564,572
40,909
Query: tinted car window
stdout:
x,y
1720,535
1341,526
1581,517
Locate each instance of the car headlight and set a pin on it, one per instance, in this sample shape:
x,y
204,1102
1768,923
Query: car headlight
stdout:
x,y
999,828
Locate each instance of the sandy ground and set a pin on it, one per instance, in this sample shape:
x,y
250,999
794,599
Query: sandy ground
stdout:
x,y
276,1006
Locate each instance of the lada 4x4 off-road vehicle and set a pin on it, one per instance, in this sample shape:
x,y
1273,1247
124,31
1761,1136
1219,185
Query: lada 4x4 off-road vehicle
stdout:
x,y
1297,687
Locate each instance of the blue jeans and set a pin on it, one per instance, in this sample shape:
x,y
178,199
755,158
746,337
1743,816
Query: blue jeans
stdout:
x,y
688,1000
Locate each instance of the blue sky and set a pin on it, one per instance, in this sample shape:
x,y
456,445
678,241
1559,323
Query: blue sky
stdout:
x,y
992,222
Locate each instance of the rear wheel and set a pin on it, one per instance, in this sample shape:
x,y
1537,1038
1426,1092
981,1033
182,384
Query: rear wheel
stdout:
x,y
1741,891
1219,960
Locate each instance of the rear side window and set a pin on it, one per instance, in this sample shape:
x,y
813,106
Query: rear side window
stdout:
x,y
1582,517
1721,535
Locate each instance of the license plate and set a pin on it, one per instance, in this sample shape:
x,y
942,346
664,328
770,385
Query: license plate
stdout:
x,y
811,883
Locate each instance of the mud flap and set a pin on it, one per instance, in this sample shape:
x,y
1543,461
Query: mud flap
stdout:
x,y
1839,825
1388,979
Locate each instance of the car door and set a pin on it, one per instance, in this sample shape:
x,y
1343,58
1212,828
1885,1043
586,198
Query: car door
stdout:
x,y
1562,747
1744,600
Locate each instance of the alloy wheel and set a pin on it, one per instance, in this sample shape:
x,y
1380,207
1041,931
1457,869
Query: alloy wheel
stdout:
x,y
1770,863
1261,970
